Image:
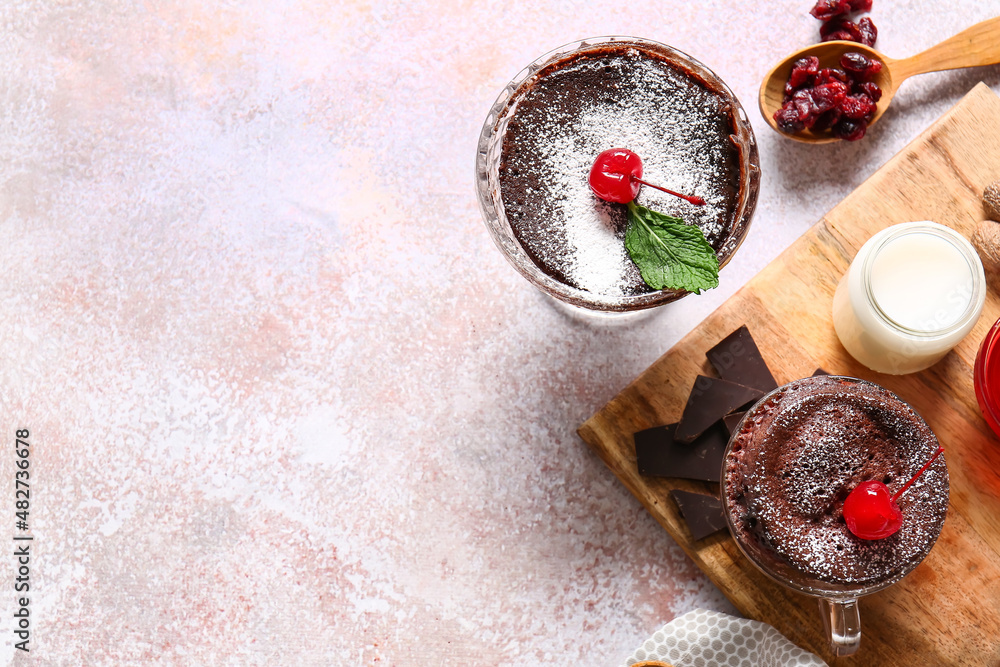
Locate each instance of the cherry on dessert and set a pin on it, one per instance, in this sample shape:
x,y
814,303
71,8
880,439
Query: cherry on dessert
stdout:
x,y
616,176
871,513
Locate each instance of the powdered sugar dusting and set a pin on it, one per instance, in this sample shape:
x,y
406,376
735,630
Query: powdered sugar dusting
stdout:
x,y
593,245
615,97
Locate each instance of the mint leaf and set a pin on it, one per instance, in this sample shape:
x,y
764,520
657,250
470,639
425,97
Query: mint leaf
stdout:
x,y
669,253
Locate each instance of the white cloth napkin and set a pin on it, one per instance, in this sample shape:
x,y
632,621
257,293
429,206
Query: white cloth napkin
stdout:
x,y
703,638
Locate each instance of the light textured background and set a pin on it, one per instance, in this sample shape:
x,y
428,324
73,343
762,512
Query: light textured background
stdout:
x,y
288,404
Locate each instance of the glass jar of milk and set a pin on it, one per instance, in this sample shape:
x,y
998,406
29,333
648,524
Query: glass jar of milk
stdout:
x,y
913,291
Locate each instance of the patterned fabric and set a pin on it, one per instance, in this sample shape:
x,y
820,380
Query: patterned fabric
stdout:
x,y
702,638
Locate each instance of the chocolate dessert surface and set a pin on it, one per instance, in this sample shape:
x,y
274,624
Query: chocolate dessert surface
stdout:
x,y
798,455
614,95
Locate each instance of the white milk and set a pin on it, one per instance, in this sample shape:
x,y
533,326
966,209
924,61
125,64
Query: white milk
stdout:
x,y
913,291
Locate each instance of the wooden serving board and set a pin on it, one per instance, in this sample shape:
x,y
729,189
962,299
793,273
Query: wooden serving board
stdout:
x,y
946,612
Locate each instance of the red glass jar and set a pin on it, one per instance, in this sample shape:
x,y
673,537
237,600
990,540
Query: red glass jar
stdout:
x,y
987,378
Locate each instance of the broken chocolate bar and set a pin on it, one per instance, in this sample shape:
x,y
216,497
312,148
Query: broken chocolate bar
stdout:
x,y
702,513
732,420
710,400
737,359
658,453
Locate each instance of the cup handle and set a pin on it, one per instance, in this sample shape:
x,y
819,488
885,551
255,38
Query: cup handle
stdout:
x,y
842,624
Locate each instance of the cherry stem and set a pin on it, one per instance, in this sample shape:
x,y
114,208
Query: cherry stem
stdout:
x,y
697,201
919,473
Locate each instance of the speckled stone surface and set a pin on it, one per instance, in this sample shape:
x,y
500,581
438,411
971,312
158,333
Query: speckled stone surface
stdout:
x,y
287,403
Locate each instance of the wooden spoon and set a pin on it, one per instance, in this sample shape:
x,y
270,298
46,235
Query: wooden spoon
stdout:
x,y
975,46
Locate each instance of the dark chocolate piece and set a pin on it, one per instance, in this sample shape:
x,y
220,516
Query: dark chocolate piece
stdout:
x,y
737,359
732,420
710,400
658,454
819,371
702,513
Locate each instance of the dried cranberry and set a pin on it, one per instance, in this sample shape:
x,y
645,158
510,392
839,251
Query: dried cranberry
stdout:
x,y
869,33
871,89
842,99
787,119
860,66
849,129
874,68
826,120
809,103
857,107
836,29
803,71
839,36
854,62
829,95
802,102
828,74
827,9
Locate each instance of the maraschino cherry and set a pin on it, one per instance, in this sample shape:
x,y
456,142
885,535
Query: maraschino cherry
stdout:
x,y
871,513
617,175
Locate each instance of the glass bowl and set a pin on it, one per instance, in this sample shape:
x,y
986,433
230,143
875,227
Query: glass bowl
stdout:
x,y
838,599
490,153
792,395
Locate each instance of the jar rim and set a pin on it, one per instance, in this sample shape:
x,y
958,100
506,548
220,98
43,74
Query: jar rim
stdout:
x,y
959,243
